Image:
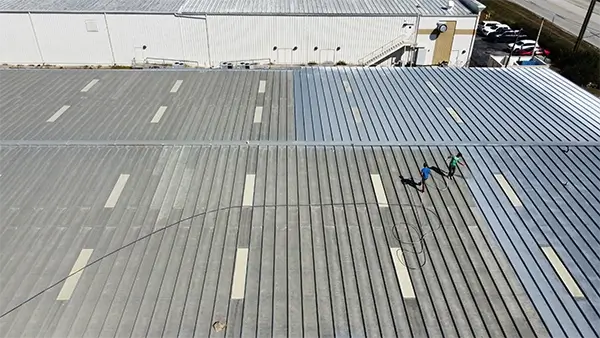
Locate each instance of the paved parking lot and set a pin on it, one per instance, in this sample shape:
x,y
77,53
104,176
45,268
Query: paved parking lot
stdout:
x,y
482,51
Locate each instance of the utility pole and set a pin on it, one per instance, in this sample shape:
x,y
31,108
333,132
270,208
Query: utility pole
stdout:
x,y
586,21
512,50
537,39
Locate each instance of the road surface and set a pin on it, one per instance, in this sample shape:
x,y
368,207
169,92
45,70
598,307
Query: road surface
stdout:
x,y
568,14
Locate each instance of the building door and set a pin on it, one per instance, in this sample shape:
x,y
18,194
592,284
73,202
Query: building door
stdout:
x,y
454,58
443,44
421,56
138,55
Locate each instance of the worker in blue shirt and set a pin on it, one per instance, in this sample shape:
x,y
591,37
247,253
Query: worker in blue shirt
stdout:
x,y
425,172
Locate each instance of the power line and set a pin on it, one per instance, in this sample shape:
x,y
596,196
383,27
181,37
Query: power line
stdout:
x,y
420,238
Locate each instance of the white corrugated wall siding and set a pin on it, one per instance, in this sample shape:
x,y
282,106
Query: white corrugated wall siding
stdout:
x,y
165,36
99,39
17,40
72,39
90,39
253,37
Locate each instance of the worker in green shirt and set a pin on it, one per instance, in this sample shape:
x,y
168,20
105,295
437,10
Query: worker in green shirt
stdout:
x,y
454,162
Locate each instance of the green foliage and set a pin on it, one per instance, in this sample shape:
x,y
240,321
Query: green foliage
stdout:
x,y
341,63
582,67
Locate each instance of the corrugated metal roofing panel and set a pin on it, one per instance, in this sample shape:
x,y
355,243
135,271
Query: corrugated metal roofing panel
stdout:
x,y
354,7
560,209
318,266
483,269
357,7
396,104
162,6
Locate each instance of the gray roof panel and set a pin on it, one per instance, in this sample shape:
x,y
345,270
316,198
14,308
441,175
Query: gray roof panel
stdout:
x,y
323,7
355,7
320,260
394,105
320,266
162,6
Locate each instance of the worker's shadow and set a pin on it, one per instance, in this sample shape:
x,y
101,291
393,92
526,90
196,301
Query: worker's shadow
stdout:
x,y
409,181
438,171
443,173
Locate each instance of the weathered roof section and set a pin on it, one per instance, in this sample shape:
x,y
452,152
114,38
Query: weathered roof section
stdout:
x,y
211,105
353,7
324,256
161,6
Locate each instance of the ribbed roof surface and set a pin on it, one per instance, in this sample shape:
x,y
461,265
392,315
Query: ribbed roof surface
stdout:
x,y
339,241
385,7
166,6
351,7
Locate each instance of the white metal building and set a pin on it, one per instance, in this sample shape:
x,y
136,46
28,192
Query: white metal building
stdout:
x,y
207,33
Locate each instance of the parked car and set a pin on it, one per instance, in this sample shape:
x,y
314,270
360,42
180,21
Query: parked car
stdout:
x,y
521,45
529,51
511,35
494,28
484,24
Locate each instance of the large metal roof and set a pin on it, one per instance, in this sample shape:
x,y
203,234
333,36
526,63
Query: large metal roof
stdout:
x,y
355,7
297,7
162,6
338,241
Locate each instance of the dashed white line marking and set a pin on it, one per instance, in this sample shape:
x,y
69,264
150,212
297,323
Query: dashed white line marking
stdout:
x,y
432,87
347,86
159,114
406,286
454,115
116,192
58,113
262,86
239,274
379,191
89,85
564,274
356,114
508,190
258,114
70,283
248,198
176,86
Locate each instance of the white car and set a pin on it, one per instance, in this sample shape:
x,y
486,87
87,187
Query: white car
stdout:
x,y
484,24
494,28
522,44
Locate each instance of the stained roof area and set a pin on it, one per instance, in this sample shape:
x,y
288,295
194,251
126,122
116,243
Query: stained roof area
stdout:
x,y
208,106
294,206
320,251
331,7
